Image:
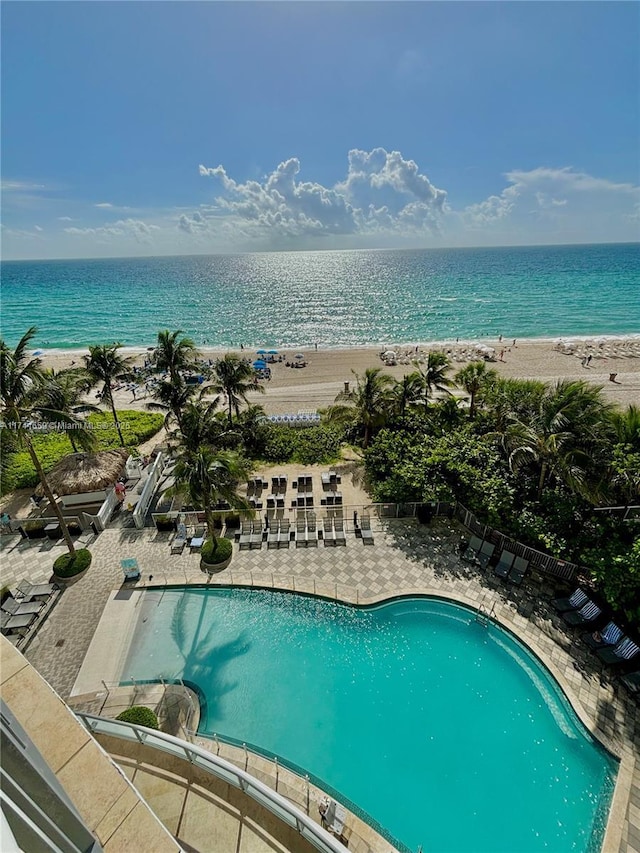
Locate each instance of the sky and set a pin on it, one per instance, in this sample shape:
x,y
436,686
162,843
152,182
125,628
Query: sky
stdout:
x,y
155,128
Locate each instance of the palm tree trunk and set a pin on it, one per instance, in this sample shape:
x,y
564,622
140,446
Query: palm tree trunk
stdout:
x,y
472,405
543,477
210,524
45,486
107,388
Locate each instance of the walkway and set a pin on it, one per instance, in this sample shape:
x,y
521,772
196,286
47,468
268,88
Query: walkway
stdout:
x,y
406,557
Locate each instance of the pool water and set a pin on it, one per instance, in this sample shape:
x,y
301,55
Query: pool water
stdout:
x,y
449,733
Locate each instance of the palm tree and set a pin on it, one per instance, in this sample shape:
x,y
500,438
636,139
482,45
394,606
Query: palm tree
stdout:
x,y
473,378
561,438
435,374
207,476
104,364
172,398
234,378
371,399
200,425
174,353
65,391
407,391
21,379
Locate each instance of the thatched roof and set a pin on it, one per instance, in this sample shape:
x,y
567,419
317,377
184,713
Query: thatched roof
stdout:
x,y
86,472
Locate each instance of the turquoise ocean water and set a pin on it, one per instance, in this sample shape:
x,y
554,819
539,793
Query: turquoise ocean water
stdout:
x,y
346,298
449,734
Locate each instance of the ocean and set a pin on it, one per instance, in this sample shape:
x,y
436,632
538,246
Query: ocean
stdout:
x,y
332,298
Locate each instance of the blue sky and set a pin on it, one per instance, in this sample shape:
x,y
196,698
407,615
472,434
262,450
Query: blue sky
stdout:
x,y
177,127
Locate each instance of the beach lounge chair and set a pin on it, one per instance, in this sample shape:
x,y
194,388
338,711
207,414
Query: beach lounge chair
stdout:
x,y
474,546
519,570
283,534
19,608
255,540
36,590
338,531
16,624
504,564
197,540
609,636
327,532
130,569
589,612
272,535
486,553
312,533
245,535
301,533
573,602
179,540
625,650
365,530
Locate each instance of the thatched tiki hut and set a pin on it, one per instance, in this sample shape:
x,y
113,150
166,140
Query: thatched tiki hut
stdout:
x,y
87,474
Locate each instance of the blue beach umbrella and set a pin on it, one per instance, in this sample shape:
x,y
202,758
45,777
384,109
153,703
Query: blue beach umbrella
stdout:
x,y
273,352
38,352
261,351
260,364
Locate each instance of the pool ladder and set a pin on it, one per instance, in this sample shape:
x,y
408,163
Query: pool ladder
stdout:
x,y
483,616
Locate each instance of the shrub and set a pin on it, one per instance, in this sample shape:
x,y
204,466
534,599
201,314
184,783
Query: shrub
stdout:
x,y
216,553
139,715
69,565
307,446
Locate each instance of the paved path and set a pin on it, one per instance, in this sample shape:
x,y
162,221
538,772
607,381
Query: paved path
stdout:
x,y
406,557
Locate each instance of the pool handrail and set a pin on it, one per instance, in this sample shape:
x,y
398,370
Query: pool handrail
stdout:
x,y
278,805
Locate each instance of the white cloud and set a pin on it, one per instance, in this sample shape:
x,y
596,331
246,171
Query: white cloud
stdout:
x,y
381,190
105,204
140,231
21,186
38,228
65,219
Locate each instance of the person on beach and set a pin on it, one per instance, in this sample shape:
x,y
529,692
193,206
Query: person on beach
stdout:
x,y
501,355
499,339
514,342
589,357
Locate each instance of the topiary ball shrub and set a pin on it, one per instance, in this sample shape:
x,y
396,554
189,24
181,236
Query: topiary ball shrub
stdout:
x,y
70,565
213,554
139,715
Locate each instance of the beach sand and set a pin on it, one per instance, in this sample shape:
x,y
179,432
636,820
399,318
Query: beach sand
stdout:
x,y
316,385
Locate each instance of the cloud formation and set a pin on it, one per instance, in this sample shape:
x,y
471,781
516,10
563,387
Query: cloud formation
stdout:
x,y
381,190
140,231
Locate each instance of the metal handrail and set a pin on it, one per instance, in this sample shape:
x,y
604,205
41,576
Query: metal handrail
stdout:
x,y
221,769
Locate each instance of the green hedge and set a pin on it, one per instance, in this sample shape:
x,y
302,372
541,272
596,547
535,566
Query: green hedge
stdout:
x,y
69,565
139,715
17,471
218,553
307,446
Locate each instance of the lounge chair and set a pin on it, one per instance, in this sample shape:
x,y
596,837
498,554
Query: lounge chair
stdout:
x,y
179,540
36,590
519,570
20,608
16,624
486,553
576,600
312,533
338,531
504,564
283,534
245,535
327,532
130,569
255,542
473,548
625,650
272,534
365,530
301,533
609,636
197,540
589,612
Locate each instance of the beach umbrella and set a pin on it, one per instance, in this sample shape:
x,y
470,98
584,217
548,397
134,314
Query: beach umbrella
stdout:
x,y
38,352
389,353
299,355
273,352
261,352
260,364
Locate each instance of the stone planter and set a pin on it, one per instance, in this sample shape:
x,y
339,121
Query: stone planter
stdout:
x,y
62,582
214,568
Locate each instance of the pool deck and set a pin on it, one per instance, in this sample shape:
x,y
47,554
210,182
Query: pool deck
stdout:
x,y
406,558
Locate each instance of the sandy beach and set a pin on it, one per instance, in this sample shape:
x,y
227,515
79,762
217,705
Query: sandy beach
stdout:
x,y
316,385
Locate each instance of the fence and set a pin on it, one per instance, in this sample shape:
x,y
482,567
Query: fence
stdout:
x,y
224,770
148,490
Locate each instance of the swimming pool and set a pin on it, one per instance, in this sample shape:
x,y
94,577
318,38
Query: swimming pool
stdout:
x,y
450,734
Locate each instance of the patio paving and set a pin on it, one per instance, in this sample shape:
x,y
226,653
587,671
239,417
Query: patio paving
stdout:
x,y
406,558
